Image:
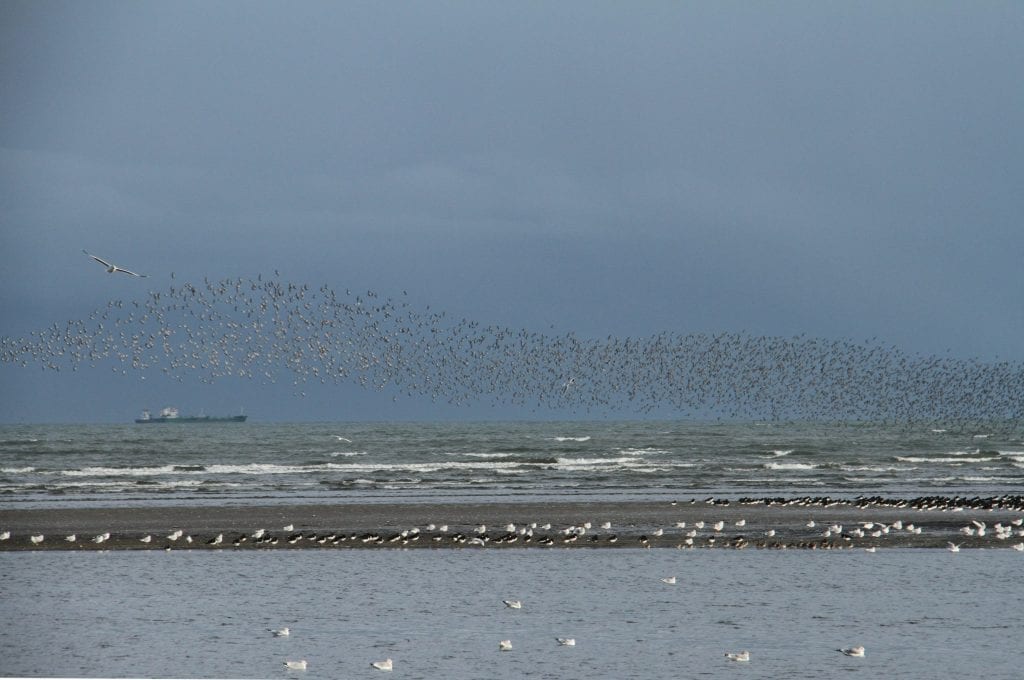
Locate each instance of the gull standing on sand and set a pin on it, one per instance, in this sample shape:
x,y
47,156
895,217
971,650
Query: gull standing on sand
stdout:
x,y
37,539
111,268
385,665
4,535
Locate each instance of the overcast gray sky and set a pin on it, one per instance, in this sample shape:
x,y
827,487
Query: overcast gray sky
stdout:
x,y
846,170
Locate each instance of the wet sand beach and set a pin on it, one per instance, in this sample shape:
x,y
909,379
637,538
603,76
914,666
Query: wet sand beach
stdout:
x,y
688,523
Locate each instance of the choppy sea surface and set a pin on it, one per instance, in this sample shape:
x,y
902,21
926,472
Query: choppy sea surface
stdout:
x,y
262,463
919,613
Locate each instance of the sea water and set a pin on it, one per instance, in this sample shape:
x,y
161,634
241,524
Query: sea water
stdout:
x,y
919,613
266,463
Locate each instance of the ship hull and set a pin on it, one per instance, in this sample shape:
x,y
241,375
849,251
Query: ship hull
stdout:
x,y
193,419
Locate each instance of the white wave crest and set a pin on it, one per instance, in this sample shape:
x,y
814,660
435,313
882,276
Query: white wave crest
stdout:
x,y
596,461
571,439
640,452
414,467
790,466
119,472
950,461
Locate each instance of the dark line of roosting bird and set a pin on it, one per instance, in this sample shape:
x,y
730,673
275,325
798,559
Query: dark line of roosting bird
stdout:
x,y
267,329
945,518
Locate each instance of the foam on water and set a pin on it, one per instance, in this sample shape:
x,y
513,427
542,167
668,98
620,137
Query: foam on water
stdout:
x,y
790,466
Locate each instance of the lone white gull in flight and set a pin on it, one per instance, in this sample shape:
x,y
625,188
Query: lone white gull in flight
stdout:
x,y
111,268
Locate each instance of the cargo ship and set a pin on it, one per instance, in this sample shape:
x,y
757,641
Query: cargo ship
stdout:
x,y
171,415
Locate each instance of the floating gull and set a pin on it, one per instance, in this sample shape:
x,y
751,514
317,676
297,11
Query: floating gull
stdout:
x,y
280,632
505,645
385,665
343,439
566,642
296,665
513,604
671,580
111,268
953,547
853,651
738,656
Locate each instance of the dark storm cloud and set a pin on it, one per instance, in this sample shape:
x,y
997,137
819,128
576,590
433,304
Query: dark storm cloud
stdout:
x,y
847,171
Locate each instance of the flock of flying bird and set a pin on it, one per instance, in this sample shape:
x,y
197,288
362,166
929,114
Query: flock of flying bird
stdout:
x,y
269,330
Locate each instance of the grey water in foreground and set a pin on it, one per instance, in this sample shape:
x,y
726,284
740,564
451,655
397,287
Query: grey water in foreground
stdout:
x,y
439,614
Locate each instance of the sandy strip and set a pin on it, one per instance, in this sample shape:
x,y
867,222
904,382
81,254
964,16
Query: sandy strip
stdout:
x,y
633,524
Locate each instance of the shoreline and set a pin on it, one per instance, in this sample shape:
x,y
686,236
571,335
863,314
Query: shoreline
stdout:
x,y
797,523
